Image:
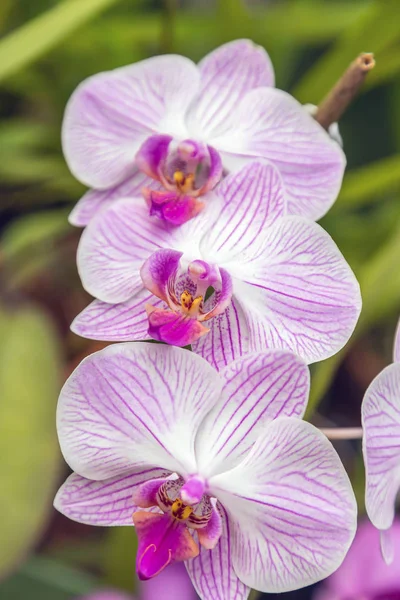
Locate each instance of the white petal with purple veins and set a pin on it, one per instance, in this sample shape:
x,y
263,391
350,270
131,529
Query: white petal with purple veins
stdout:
x,y
258,388
249,201
122,322
121,238
396,346
95,200
103,503
132,406
228,338
381,445
292,508
110,114
212,573
227,74
300,294
272,124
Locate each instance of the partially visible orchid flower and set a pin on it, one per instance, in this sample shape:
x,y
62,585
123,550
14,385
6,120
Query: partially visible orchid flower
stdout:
x,y
174,129
217,469
363,573
381,448
171,584
241,277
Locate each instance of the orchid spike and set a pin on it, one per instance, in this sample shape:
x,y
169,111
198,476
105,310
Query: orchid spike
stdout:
x,y
217,469
381,448
172,129
241,277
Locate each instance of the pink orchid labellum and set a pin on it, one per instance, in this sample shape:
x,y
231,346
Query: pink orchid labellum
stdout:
x,y
214,469
171,129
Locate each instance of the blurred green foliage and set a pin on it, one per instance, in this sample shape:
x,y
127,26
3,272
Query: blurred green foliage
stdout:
x,y
29,384
47,48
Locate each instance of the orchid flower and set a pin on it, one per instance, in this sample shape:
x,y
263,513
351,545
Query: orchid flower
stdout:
x,y
363,574
381,448
174,129
214,469
275,280
171,584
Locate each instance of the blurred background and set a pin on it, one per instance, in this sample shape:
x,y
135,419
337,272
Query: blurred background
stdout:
x,y
46,48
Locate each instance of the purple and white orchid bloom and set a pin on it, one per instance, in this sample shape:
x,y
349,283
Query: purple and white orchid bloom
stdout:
x,y
363,575
381,448
174,128
279,281
215,469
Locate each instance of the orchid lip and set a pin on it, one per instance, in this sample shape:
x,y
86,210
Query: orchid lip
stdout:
x,y
186,170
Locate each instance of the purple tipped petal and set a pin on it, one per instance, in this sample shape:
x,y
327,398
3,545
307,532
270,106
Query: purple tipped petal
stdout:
x,y
381,445
95,200
210,534
114,247
162,541
302,295
158,269
133,406
212,573
152,153
250,200
396,348
272,124
173,208
258,389
103,503
228,338
227,74
291,506
173,328
125,322
110,115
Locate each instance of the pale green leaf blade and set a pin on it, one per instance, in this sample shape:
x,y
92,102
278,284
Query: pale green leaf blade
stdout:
x,y
30,373
40,35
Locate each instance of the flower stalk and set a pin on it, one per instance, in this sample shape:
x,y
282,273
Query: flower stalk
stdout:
x,y
342,433
335,104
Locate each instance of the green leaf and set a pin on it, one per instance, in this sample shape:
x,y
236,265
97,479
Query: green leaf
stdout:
x,y
30,373
362,35
120,556
41,578
40,35
368,184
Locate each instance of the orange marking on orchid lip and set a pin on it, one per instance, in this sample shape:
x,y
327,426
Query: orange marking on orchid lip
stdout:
x,y
181,511
186,300
195,307
179,178
188,184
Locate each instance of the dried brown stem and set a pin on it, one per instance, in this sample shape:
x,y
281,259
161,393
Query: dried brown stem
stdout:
x,y
341,95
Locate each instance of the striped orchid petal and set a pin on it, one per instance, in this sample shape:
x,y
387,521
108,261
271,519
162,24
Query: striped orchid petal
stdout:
x,y
381,445
123,396
103,503
294,490
258,389
396,348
